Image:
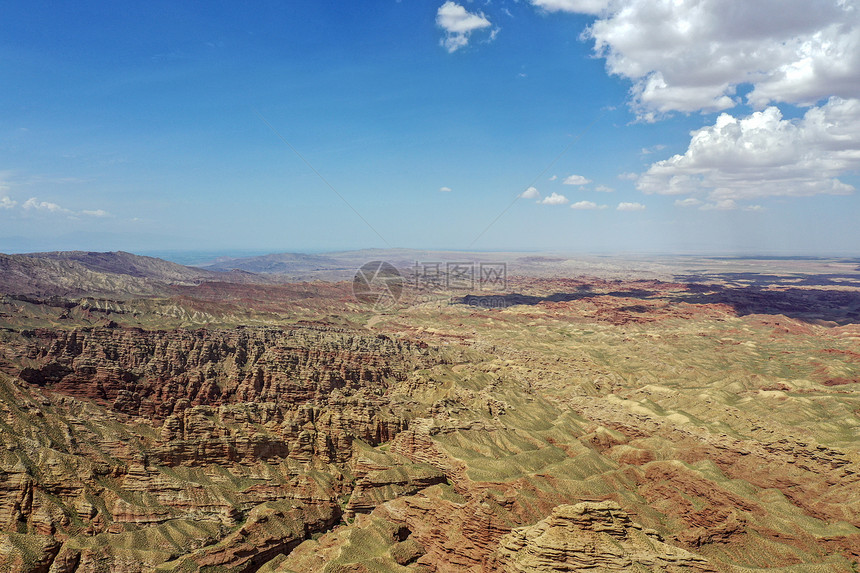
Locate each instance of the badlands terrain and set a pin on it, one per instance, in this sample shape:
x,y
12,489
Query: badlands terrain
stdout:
x,y
595,414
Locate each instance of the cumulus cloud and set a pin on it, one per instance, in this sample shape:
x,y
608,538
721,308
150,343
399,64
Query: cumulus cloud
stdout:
x,y
691,55
764,155
628,176
445,189
710,56
7,203
580,6
604,189
576,180
630,207
584,205
553,178
530,193
34,204
458,24
555,199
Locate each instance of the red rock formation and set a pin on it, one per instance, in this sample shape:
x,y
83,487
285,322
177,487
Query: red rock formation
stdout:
x,y
203,425
590,536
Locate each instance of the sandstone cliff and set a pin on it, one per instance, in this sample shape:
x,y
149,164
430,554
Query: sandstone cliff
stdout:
x,y
593,537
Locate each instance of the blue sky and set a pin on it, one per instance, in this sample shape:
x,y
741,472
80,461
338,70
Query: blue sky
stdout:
x,y
138,126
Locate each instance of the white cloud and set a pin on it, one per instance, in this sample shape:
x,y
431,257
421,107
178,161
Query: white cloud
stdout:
x,y
652,149
604,189
445,189
688,202
691,55
580,6
553,178
530,193
9,179
753,208
701,55
586,205
458,25
764,155
35,204
576,180
721,205
628,176
96,213
555,199
630,207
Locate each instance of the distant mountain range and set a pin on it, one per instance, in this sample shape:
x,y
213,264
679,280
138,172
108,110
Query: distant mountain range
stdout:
x,y
79,273
72,273
122,274
343,265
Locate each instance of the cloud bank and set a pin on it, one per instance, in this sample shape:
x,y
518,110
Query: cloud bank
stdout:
x,y
692,55
765,155
711,56
34,205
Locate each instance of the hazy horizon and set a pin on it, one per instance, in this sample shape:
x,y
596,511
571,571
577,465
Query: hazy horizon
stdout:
x,y
195,257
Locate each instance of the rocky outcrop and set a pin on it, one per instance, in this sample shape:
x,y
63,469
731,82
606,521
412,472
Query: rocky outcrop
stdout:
x,y
27,553
382,477
301,392
153,373
271,529
592,536
457,532
130,450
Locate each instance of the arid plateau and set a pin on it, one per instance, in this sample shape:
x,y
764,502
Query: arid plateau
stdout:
x,y
589,414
